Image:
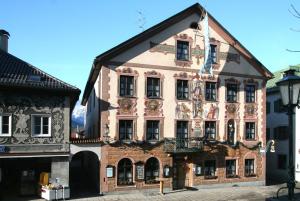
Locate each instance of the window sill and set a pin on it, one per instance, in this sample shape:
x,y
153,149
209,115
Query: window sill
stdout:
x,y
5,135
127,96
41,136
159,98
152,141
232,177
182,100
212,101
183,63
251,175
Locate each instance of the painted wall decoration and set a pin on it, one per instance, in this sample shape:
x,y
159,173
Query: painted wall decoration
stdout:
x,y
153,107
197,97
22,107
250,111
212,112
127,106
232,111
182,111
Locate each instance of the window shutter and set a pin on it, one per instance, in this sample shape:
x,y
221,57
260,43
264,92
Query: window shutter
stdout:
x,y
134,136
190,90
268,107
135,87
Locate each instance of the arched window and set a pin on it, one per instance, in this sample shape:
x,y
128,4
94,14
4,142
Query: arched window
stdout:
x,y
125,172
230,131
151,171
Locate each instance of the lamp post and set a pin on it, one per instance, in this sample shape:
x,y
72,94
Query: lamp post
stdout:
x,y
289,87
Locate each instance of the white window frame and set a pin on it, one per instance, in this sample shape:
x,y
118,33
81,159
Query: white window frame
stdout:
x,y
32,125
9,125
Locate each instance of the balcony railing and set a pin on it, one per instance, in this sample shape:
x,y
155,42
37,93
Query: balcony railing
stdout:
x,y
184,145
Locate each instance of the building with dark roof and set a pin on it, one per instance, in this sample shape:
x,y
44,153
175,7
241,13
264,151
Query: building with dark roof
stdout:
x,y
35,115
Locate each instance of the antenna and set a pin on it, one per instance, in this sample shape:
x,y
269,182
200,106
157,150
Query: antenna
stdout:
x,y
141,20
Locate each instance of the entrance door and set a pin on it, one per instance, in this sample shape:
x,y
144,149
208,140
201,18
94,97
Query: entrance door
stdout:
x,y
181,175
230,131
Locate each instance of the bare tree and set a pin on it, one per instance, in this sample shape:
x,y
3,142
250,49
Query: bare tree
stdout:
x,y
296,14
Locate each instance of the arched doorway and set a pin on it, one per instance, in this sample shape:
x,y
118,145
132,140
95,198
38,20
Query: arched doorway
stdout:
x,y
84,174
151,171
230,131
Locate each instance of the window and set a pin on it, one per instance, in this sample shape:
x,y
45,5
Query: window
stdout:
x,y
126,129
126,85
125,172
210,130
152,130
281,161
210,169
230,168
41,126
249,167
182,134
182,90
210,91
278,106
153,87
250,93
230,131
231,92
268,107
250,131
183,50
213,53
5,125
151,171
281,133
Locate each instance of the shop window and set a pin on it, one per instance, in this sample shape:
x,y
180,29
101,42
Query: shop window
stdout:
x,y
152,130
153,87
231,93
182,90
230,168
250,131
126,85
210,130
210,91
182,134
5,125
250,93
183,50
151,171
125,172
126,129
210,169
249,168
41,126
281,161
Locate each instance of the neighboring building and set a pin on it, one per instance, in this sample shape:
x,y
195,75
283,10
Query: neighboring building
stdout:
x,y
277,129
158,118
35,111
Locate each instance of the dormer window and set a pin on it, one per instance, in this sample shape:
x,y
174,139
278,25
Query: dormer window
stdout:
x,y
213,53
183,50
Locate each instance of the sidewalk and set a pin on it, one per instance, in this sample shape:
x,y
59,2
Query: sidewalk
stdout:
x,y
254,193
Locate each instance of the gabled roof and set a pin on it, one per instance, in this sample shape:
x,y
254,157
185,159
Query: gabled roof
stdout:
x,y
17,73
196,8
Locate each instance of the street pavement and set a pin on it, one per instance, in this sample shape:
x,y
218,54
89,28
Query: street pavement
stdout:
x,y
254,193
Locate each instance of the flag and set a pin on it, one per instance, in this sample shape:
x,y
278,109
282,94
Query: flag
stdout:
x,y
207,64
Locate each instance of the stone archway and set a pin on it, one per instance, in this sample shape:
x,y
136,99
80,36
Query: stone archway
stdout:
x,y
84,174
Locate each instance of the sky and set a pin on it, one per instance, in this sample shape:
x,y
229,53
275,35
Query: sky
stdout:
x,y
62,37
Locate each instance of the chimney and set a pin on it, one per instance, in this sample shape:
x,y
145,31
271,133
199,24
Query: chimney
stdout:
x,y
4,35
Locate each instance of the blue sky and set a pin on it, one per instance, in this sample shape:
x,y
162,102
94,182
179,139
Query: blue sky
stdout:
x,y
62,37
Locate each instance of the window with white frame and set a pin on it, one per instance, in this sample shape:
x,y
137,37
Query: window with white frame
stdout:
x,y
5,125
41,126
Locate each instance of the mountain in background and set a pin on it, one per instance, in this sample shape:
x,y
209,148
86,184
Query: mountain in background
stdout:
x,y
78,116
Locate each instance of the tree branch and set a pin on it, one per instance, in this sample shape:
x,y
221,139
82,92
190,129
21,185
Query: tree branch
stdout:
x,y
295,30
295,13
292,50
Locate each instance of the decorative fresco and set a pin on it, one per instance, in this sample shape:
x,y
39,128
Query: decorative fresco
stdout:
x,y
232,111
153,107
196,52
182,111
250,111
127,106
197,97
212,112
22,107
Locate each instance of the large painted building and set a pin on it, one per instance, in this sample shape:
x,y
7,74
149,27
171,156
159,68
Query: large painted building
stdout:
x,y
158,118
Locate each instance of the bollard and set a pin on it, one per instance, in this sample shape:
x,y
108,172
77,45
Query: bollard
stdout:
x,y
161,187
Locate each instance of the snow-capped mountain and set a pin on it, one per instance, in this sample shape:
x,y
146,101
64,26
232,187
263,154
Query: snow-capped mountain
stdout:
x,y
78,116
